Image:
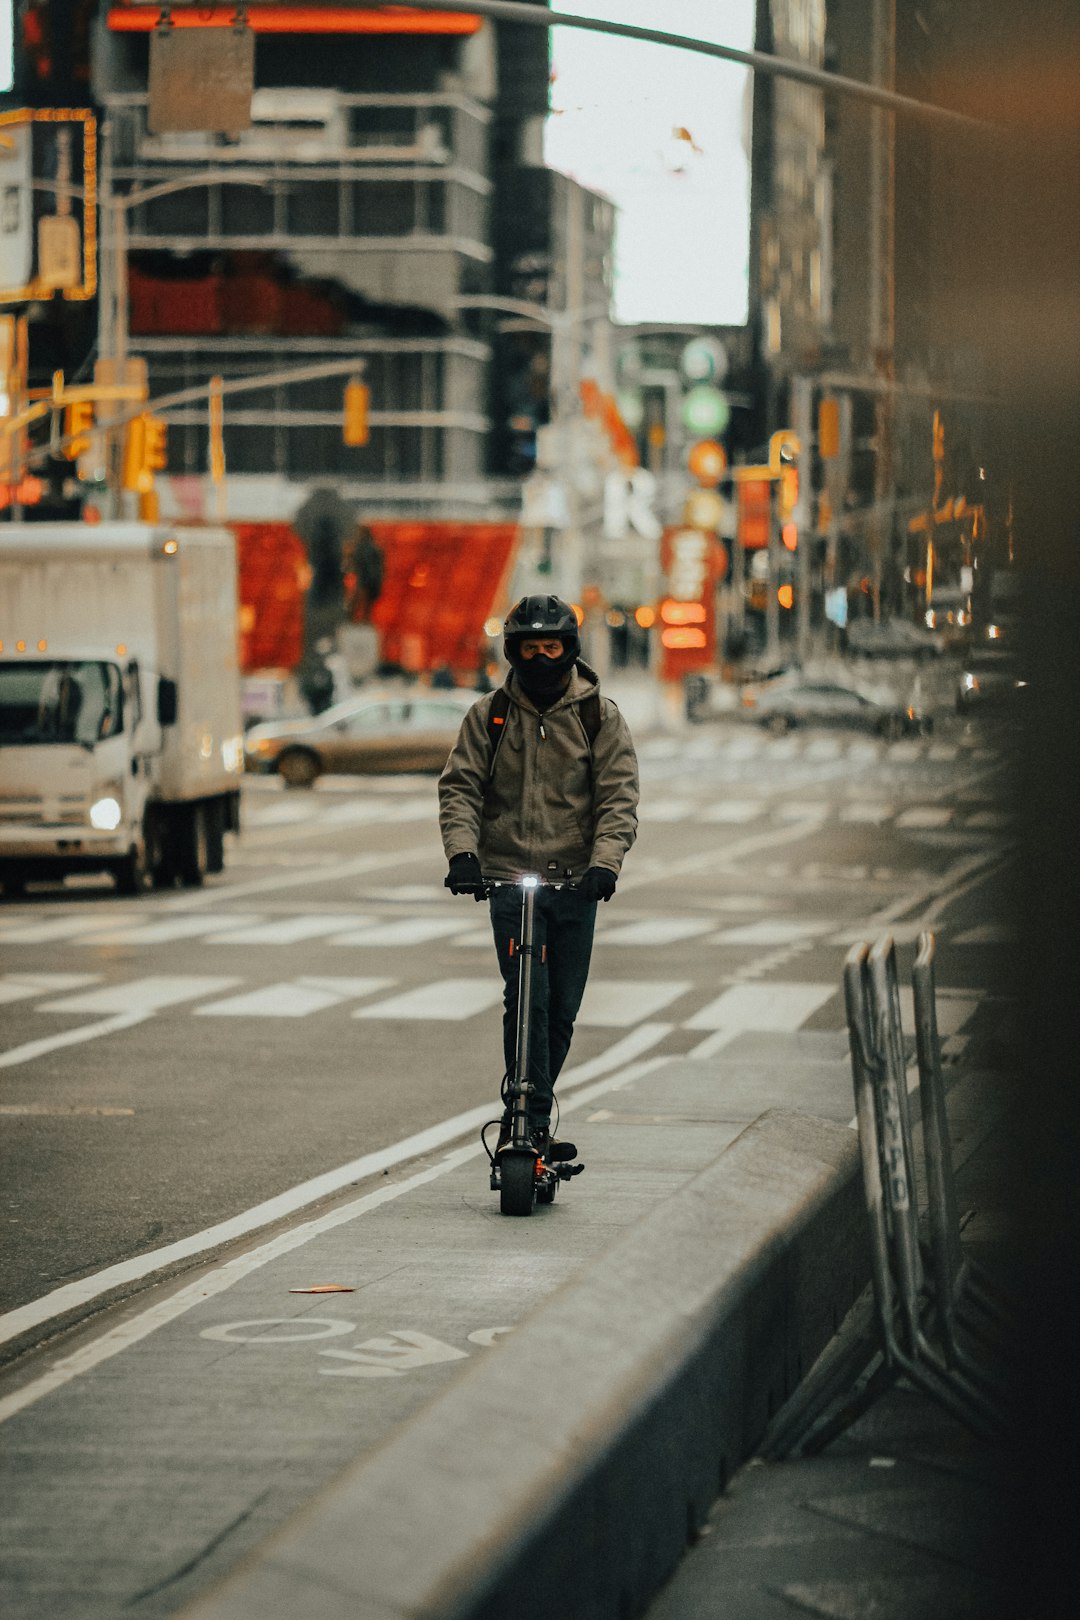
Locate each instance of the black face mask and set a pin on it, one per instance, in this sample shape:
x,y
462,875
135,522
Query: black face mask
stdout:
x,y
543,678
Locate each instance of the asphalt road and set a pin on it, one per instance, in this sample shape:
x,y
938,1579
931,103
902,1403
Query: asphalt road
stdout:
x,y
170,1064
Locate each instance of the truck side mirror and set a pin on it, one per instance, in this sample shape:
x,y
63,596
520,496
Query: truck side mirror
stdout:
x,y
167,705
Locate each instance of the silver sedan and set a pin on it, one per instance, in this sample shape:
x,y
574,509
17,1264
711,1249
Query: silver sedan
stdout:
x,y
361,737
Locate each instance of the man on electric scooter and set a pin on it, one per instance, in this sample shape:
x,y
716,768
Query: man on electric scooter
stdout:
x,y
543,779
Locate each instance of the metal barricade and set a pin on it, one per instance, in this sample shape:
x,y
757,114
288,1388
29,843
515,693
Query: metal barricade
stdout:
x,y
909,1326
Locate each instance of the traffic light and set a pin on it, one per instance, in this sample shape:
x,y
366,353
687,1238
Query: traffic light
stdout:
x,y
828,429
133,473
156,443
145,452
356,429
787,490
78,421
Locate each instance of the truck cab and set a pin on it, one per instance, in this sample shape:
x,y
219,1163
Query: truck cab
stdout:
x,y
119,703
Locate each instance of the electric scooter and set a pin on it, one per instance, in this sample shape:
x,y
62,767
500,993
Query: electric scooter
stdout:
x,y
519,1173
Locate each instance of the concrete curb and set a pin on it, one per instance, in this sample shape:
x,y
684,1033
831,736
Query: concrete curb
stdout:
x,y
571,1465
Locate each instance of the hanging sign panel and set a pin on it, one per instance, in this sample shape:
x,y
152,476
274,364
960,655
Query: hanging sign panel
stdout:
x,y
48,201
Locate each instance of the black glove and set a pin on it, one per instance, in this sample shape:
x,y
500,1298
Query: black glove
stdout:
x,y
598,884
464,876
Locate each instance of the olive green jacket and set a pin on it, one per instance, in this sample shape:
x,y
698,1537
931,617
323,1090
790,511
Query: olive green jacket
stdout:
x,y
552,805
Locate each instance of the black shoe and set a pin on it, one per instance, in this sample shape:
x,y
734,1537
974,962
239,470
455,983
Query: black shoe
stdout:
x,y
549,1148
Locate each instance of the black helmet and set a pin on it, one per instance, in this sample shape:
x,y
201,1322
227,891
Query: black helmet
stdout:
x,y
543,616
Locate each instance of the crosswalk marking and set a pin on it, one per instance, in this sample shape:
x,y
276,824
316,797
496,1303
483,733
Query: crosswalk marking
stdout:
x,y
142,995
988,934
666,809
164,932
294,999
272,1001
734,810
349,989
804,811
452,1000
771,931
654,931
925,815
874,814
404,931
59,928
766,1007
24,986
618,1003
288,930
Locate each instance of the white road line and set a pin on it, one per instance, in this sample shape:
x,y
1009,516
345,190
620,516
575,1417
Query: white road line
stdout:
x,y
294,999
763,1007
618,1003
733,811
51,983
405,931
925,815
988,934
65,927
27,1317
770,932
714,1043
666,810
164,931
271,1001
70,1037
143,995
341,870
654,931
804,811
452,1000
872,813
350,989
289,930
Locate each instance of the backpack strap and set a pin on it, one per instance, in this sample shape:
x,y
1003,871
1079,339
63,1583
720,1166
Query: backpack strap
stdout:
x,y
590,716
496,723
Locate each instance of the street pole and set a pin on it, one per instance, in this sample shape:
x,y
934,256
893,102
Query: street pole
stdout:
x,y
881,290
803,515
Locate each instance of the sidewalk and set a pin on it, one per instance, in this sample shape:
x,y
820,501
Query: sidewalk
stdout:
x,y
906,1516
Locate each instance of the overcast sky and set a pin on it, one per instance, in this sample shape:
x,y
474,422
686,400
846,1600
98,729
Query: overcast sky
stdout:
x,y
682,238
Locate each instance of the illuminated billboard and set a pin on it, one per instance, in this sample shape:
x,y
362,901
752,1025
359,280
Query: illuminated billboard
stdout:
x,y
665,134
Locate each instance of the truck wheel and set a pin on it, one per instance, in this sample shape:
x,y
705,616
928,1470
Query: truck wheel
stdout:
x,y
215,836
299,767
133,874
195,853
139,871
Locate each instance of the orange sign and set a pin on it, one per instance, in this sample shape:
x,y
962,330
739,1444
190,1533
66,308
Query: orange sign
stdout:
x,y
755,512
707,462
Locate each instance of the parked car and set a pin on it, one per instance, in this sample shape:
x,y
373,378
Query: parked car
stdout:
x,y
989,680
811,701
365,737
892,638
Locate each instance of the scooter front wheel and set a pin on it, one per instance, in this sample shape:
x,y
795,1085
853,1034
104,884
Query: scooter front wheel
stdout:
x,y
517,1183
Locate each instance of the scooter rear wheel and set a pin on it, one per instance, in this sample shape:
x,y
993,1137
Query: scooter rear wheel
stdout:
x,y
517,1183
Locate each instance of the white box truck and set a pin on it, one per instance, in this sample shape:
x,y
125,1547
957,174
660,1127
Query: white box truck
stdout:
x,y
120,730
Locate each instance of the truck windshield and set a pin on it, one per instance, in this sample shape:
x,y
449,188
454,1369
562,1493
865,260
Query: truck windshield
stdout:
x,y
66,701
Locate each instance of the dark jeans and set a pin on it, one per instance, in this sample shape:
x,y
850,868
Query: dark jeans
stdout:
x,y
564,923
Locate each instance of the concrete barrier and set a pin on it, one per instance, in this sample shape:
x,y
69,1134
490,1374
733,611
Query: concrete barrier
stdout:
x,y
566,1472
